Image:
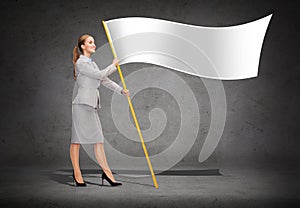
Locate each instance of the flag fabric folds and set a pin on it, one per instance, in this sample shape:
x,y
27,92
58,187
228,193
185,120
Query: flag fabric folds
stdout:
x,y
224,53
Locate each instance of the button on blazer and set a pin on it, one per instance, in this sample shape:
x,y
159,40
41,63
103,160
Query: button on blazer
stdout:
x,y
89,78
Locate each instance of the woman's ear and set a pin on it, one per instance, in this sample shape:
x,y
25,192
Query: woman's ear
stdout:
x,y
82,46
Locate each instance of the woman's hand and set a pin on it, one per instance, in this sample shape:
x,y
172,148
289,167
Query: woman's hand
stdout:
x,y
116,61
126,92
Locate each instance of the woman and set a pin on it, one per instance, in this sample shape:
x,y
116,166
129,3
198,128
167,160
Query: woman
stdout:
x,y
86,126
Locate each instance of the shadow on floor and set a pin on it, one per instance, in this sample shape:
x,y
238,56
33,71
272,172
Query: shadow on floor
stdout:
x,y
64,176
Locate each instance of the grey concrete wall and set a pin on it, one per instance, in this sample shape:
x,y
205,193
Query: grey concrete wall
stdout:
x,y
36,81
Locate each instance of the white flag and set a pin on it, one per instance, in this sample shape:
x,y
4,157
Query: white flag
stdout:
x,y
225,53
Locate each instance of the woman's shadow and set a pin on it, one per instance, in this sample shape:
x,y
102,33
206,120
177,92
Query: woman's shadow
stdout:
x,y
64,176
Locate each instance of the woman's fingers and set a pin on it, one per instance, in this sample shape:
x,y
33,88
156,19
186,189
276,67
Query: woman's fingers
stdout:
x,y
126,92
116,61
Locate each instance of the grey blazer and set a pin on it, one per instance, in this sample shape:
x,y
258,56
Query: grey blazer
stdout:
x,y
89,79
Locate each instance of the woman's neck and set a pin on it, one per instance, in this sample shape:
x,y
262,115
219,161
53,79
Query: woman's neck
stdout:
x,y
87,55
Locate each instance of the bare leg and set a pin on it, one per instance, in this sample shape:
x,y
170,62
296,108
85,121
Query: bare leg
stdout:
x,y
101,158
74,154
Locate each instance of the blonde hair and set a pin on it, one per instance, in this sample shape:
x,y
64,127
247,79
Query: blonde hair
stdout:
x,y
81,41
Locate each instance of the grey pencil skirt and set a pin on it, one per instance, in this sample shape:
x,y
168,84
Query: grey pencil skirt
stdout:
x,y
86,125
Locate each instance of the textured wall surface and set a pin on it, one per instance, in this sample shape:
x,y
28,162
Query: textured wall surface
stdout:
x,y
36,82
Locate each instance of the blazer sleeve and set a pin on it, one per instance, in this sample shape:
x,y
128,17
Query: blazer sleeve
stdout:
x,y
111,85
88,70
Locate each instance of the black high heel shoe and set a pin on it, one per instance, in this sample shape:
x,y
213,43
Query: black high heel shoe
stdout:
x,y
77,183
104,176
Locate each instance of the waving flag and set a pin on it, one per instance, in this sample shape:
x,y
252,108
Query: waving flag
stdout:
x,y
226,53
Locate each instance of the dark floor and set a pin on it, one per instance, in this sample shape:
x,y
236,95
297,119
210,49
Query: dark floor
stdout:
x,y
188,187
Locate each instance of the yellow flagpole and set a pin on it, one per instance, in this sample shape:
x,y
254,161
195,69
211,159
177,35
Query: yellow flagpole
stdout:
x,y
130,104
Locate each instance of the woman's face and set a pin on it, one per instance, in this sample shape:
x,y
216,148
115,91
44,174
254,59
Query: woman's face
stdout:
x,y
89,45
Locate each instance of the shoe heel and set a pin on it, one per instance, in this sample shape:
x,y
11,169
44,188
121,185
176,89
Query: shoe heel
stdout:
x,y
104,176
